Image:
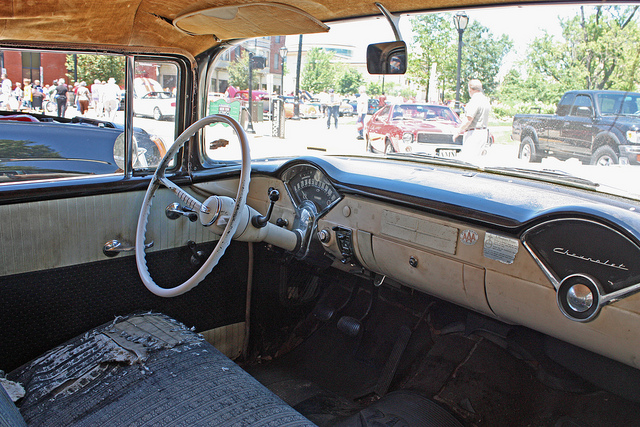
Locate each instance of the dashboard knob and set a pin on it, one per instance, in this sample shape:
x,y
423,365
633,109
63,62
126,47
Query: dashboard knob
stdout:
x,y
324,236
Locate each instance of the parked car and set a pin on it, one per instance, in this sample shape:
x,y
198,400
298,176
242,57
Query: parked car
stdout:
x,y
599,127
159,105
308,110
36,147
346,108
421,128
298,280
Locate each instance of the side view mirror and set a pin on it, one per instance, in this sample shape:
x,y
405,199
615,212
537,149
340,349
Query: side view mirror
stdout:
x,y
584,112
387,58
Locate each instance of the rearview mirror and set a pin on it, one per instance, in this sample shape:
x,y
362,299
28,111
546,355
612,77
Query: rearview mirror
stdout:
x,y
387,58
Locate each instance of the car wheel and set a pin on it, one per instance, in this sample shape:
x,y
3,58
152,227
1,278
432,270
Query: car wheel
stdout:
x,y
369,148
528,150
157,115
604,156
388,147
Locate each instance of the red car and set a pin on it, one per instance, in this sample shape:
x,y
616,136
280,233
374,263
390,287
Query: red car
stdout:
x,y
419,128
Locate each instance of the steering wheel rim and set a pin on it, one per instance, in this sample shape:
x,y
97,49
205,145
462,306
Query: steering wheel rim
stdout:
x,y
231,226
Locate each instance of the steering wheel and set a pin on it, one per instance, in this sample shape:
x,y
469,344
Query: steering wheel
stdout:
x,y
221,211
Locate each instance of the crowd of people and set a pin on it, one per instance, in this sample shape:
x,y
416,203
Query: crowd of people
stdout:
x,y
28,96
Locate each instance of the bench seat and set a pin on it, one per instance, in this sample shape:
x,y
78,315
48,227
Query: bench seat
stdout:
x,y
145,370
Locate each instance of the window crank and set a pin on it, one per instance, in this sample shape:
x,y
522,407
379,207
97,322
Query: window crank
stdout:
x,y
175,211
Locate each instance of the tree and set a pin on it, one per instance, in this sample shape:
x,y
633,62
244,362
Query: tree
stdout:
x,y
92,67
349,80
319,72
597,50
436,42
239,72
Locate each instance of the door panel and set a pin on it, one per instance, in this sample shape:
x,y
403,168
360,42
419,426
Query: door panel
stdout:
x,y
56,282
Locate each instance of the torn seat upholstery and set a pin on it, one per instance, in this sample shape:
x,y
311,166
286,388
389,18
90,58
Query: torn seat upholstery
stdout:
x,y
145,370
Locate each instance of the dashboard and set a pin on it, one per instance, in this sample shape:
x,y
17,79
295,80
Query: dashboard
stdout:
x,y
554,259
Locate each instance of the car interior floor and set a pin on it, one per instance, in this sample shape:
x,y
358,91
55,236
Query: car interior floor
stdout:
x,y
348,345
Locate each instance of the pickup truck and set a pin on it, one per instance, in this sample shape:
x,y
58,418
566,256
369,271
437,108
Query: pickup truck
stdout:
x,y
599,127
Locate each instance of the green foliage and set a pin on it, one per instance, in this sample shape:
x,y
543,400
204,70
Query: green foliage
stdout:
x,y
239,72
597,50
436,47
374,89
92,67
319,72
348,81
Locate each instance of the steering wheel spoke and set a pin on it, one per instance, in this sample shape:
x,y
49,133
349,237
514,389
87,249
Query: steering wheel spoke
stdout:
x,y
192,203
189,201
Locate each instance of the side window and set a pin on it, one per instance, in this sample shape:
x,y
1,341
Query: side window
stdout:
x,y
565,104
63,114
155,94
582,106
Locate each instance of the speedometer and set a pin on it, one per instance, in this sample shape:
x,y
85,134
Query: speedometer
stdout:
x,y
306,182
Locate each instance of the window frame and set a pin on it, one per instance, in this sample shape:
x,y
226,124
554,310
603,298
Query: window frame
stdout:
x,y
130,180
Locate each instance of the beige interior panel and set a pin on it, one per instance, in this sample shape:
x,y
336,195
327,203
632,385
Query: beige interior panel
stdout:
x,y
58,233
614,333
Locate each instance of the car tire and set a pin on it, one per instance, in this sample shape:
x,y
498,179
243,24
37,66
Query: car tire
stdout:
x,y
388,147
604,156
157,114
368,146
528,151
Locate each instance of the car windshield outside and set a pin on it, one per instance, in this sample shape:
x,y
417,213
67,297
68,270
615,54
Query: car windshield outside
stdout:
x,y
524,65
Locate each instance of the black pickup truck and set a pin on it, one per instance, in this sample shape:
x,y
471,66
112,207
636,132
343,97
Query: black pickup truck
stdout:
x,y
599,127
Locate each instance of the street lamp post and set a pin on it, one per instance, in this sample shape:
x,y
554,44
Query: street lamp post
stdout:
x,y
283,56
460,20
250,124
296,106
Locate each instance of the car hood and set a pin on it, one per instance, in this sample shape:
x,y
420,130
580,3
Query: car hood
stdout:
x,y
427,126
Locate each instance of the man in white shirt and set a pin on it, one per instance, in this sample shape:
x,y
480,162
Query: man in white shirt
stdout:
x,y
476,121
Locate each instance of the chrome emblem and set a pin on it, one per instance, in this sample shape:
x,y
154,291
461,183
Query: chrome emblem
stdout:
x,y
607,263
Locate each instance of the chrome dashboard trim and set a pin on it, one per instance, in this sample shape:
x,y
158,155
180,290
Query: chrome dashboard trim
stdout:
x,y
604,299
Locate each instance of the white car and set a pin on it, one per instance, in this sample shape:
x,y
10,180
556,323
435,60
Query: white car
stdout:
x,y
158,105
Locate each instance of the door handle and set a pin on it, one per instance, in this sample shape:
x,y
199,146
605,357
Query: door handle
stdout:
x,y
114,247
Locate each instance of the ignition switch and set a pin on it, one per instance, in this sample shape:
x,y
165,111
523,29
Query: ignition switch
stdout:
x,y
345,244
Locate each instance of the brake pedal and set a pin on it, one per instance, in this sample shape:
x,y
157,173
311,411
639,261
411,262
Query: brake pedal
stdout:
x,y
323,312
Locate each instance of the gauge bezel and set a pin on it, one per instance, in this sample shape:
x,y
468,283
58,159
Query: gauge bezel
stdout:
x,y
319,176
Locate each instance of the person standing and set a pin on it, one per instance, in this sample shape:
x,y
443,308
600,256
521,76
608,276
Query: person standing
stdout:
x,y
333,108
37,95
61,97
16,97
96,87
361,109
84,97
5,91
27,97
476,122
110,98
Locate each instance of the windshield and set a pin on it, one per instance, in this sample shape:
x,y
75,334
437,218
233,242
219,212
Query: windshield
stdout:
x,y
551,88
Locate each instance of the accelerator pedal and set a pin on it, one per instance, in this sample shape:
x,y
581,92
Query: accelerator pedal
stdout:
x,y
349,326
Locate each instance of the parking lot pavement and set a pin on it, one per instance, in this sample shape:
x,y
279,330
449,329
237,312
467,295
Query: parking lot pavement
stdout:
x,y
309,136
